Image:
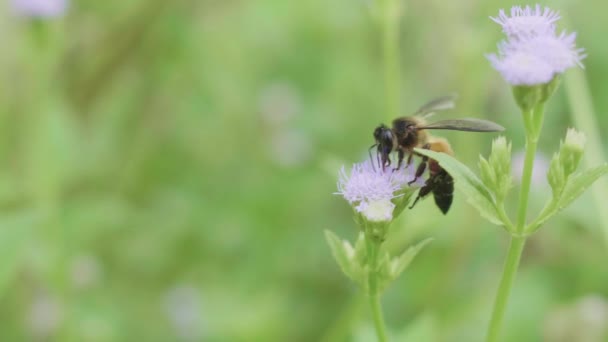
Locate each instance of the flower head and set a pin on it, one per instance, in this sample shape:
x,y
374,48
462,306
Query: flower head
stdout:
x,y
528,21
521,68
40,8
534,54
370,189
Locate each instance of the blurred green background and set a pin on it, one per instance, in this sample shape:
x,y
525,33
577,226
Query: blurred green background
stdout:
x,y
167,170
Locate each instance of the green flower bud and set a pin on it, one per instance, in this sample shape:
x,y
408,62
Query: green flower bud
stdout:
x,y
555,176
496,172
488,177
572,150
566,161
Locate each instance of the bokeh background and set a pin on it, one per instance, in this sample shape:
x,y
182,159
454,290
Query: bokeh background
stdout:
x,y
167,170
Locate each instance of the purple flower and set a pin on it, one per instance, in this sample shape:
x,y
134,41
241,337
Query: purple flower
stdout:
x,y
40,8
533,54
370,189
528,21
521,68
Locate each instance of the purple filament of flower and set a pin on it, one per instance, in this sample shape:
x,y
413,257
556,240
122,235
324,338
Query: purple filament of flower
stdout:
x,y
533,53
369,183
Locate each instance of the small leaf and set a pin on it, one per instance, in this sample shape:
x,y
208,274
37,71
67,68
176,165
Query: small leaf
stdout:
x,y
488,176
577,184
476,192
342,252
402,262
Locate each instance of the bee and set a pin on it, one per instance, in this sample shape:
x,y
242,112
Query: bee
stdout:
x,y
409,132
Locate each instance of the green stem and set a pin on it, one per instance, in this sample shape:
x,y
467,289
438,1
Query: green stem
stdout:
x,y
374,301
516,247
373,249
390,43
525,184
533,122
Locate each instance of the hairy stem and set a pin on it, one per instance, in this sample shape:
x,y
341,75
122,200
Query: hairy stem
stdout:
x,y
373,249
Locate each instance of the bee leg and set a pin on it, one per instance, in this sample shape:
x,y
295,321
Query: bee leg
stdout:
x,y
425,190
400,155
421,167
409,159
419,171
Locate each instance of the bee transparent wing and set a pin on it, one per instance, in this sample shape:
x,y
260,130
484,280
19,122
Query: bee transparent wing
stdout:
x,y
466,124
435,105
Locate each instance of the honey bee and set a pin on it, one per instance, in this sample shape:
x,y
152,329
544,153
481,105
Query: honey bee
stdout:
x,y
410,132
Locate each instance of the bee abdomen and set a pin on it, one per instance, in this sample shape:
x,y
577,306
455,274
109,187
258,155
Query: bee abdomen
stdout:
x,y
443,192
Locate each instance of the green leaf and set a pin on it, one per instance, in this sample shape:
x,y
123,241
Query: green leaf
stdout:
x,y
342,252
469,184
577,184
400,263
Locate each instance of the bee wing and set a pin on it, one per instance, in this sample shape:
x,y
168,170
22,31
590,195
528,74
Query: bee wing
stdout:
x,y
435,105
466,124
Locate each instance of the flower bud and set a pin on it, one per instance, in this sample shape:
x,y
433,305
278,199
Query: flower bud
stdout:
x,y
572,150
496,172
566,161
555,176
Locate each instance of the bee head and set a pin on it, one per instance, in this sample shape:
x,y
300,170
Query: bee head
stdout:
x,y
383,135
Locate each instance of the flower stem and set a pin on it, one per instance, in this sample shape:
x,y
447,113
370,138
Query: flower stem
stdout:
x,y
516,246
378,318
373,248
534,123
525,185
390,42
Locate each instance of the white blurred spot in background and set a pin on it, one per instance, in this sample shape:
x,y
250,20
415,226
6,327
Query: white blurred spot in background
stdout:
x,y
585,320
182,306
539,173
44,316
86,272
291,148
279,105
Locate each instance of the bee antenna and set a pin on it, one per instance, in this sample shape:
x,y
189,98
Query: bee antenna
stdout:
x,y
371,159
